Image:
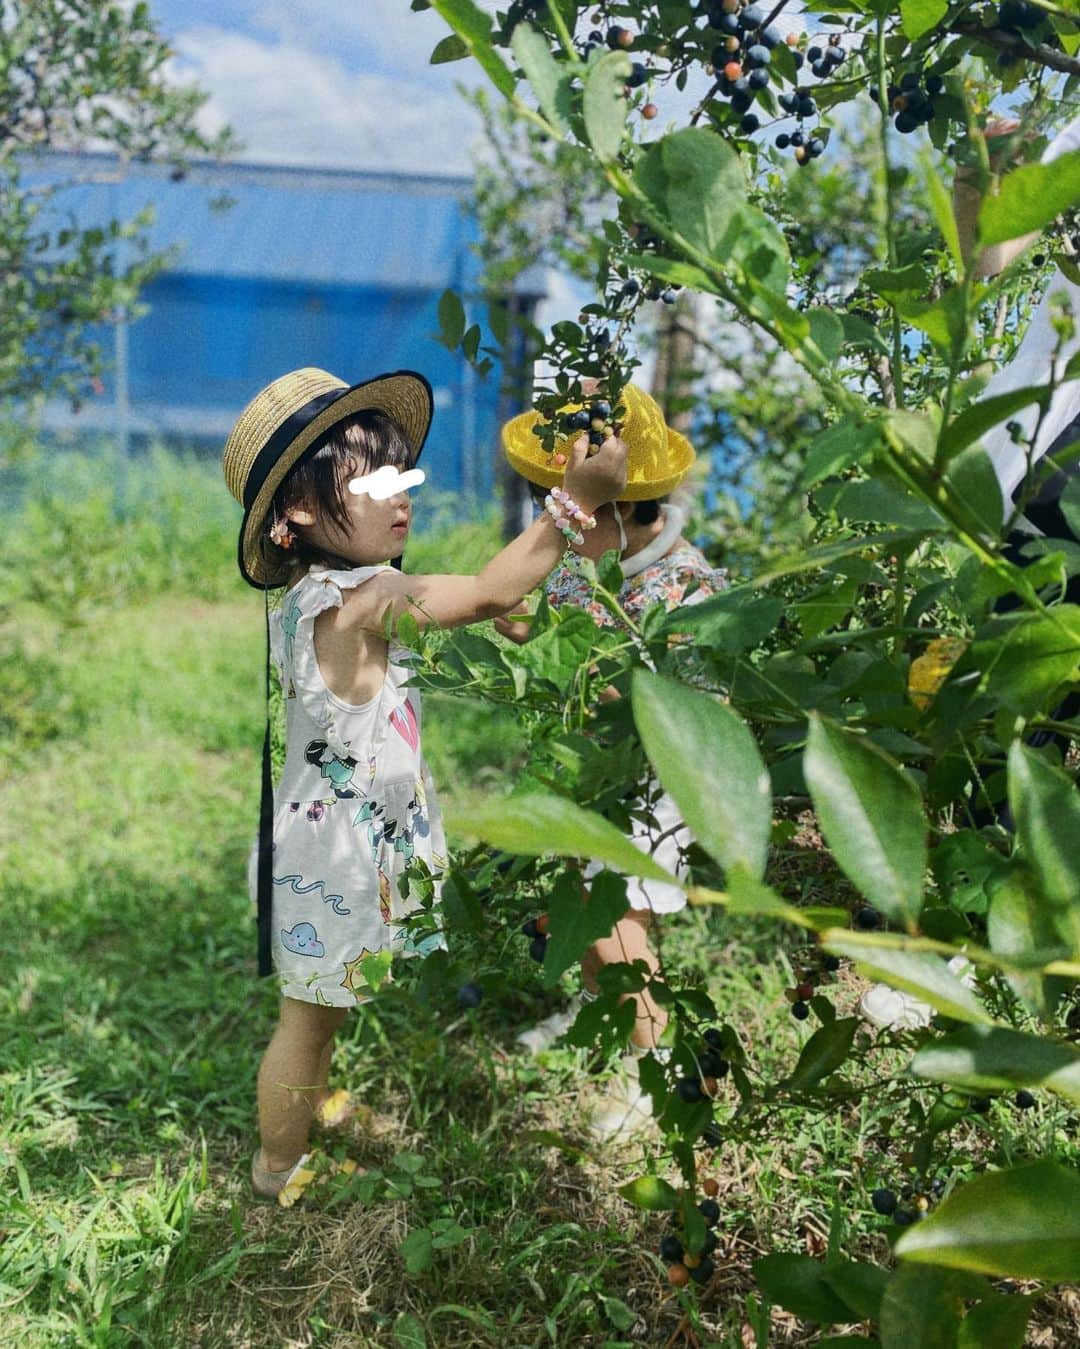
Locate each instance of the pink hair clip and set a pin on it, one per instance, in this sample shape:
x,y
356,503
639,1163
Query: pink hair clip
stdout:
x,y
281,534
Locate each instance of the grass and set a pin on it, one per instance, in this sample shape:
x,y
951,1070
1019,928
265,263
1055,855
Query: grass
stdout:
x,y
134,1025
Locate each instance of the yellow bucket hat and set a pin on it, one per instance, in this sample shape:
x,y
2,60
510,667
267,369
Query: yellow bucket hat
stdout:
x,y
657,460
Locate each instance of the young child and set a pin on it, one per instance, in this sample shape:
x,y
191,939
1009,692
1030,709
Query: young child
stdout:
x,y
659,566
322,470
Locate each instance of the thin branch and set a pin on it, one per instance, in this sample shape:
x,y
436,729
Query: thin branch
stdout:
x,y
1039,54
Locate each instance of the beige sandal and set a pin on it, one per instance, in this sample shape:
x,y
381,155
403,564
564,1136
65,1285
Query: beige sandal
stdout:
x,y
269,1184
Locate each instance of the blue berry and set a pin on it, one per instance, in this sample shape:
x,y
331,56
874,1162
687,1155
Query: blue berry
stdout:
x,y
884,1202
783,141
750,18
758,79
749,123
709,1210
1024,1100
539,944
758,55
799,1010
470,995
703,1271
671,1249
688,1089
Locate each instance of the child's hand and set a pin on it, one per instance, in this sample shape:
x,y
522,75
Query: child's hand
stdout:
x,y
512,626
592,481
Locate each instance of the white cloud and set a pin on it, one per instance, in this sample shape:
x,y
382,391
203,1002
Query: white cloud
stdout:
x,y
291,105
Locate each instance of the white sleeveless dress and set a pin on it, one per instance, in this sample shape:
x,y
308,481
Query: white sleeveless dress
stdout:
x,y
355,805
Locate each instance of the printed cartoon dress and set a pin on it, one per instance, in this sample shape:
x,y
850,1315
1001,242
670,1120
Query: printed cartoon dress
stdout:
x,y
355,806
666,581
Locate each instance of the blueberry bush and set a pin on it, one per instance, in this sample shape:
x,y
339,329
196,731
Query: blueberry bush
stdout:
x,y
898,682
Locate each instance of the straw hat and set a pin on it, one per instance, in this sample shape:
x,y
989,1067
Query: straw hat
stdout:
x,y
284,421
658,458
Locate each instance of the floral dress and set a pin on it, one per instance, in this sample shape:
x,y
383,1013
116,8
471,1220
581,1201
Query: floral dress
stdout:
x,y
666,582
354,807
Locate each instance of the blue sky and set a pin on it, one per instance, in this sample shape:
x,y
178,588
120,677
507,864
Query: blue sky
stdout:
x,y
306,82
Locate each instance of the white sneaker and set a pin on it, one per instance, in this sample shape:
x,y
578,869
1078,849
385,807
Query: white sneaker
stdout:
x,y
625,1108
544,1034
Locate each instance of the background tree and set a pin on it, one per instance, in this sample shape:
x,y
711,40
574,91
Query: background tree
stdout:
x,y
74,75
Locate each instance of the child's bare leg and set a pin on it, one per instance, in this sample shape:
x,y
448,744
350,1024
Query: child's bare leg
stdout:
x,y
322,1077
629,942
289,1079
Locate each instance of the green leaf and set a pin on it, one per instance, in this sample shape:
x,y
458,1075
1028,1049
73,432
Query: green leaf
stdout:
x,y
707,760
860,1285
604,104
1018,659
671,269
1023,1223
473,26
408,1331
451,48
451,318
1046,806
915,972
871,815
901,281
919,16
877,501
618,1313
972,480
828,332
825,554
921,1309
1030,198
1019,924
535,824
980,417
558,653
417,1250
578,916
991,1058
940,200
732,621
998,1322
799,1285
695,179
652,1193
838,447
823,1053
549,83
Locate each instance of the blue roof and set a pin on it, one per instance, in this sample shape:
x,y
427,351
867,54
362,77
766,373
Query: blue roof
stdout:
x,y
312,226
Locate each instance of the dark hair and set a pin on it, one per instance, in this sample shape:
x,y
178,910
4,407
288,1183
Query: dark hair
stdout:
x,y
645,512
359,444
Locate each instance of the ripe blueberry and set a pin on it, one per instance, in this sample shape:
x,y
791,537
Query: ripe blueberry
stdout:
x,y
909,80
814,54
884,1201
709,1210
671,1249
749,123
539,944
668,296
783,141
713,1038
1024,1100
470,995
688,1089
807,107
800,1011
639,74
601,409
729,24
529,928
704,1270
934,85
758,55
903,1217
751,17
831,964
867,918
758,79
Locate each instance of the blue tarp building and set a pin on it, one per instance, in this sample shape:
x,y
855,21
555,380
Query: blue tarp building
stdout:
x,y
276,268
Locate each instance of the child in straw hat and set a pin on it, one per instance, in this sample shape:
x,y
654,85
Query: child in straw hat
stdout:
x,y
323,470
659,566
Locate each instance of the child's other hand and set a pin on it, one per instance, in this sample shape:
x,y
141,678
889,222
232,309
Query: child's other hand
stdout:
x,y
512,625
592,481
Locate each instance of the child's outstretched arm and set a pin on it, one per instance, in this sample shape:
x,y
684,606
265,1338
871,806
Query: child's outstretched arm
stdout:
x,y
452,601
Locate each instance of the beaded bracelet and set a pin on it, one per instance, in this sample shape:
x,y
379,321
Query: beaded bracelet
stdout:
x,y
563,522
572,509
